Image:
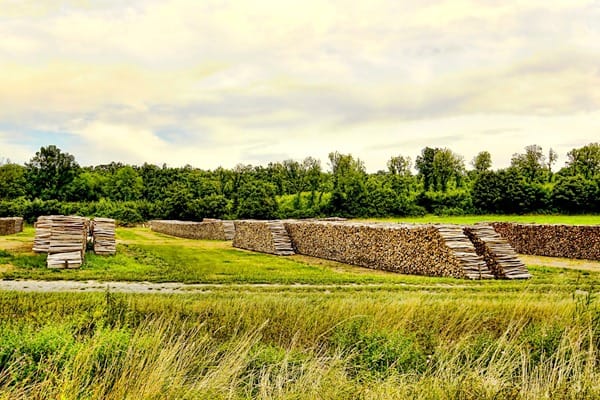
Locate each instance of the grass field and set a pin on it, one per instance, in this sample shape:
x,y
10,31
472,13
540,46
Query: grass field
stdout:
x,y
345,333
473,219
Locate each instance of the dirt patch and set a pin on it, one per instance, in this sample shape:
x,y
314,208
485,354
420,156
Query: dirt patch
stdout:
x,y
584,265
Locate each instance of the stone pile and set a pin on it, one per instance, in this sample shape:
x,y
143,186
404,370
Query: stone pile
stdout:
x,y
103,230
568,241
208,229
11,225
263,236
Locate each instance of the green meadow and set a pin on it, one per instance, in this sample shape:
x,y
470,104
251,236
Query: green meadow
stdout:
x,y
294,328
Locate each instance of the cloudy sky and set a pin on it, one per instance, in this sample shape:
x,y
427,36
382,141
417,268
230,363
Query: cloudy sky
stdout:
x,y
221,82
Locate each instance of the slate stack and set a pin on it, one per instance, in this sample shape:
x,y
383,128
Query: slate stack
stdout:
x,y
500,257
104,236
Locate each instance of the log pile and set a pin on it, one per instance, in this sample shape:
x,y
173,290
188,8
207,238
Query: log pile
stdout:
x,y
568,241
103,231
499,256
68,240
409,249
263,236
11,225
206,230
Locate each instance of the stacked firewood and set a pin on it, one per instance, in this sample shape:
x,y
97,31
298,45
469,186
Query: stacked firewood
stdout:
x,y
104,236
229,228
263,236
208,229
11,225
409,249
68,240
568,241
500,257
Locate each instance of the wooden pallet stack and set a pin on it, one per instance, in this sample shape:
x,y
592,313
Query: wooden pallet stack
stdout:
x,y
500,257
103,231
43,231
472,263
68,240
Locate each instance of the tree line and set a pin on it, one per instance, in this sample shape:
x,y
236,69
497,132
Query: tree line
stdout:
x,y
439,182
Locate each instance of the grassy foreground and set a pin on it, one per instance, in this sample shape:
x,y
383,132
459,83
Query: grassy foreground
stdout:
x,y
328,345
345,333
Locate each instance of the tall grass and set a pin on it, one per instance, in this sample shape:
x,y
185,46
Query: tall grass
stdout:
x,y
339,345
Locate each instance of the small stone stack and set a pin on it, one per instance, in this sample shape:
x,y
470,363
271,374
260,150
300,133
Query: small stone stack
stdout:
x,y
11,225
104,236
500,257
68,240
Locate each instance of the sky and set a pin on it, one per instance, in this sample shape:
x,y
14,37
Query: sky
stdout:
x,y
215,82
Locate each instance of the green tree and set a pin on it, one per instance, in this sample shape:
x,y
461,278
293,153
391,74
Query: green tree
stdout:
x,y
424,164
50,172
125,185
531,164
585,160
12,181
257,200
482,161
348,176
447,166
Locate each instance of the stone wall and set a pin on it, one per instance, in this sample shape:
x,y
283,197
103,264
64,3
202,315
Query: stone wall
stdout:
x,y
568,241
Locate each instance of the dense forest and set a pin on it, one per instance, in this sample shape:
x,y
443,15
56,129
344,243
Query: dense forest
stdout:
x,y
439,182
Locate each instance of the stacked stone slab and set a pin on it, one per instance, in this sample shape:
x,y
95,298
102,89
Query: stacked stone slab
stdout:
x,y
11,225
263,236
103,230
207,229
499,256
408,249
68,240
568,241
